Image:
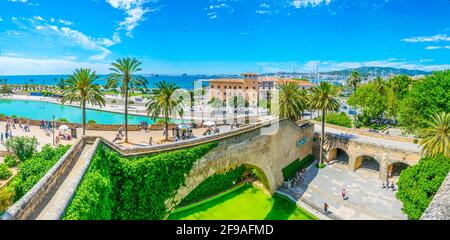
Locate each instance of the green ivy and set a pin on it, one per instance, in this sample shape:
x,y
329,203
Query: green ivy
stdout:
x,y
216,183
418,184
118,188
290,170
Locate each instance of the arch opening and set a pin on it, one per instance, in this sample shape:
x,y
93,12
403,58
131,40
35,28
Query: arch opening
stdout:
x,y
339,156
395,169
367,163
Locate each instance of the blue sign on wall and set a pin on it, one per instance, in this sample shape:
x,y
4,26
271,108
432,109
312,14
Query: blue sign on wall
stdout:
x,y
302,141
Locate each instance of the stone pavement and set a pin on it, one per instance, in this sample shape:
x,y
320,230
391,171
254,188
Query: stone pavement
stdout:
x,y
367,200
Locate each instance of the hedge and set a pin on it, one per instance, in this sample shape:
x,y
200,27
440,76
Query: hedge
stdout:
x,y
418,184
33,169
5,173
290,170
216,183
30,172
116,188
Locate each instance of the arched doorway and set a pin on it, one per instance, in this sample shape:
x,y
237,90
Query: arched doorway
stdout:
x,y
339,156
367,164
395,169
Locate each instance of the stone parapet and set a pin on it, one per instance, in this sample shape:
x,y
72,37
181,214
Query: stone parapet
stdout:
x,y
439,208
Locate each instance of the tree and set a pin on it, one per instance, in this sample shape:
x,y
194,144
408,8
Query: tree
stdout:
x,y
61,83
426,97
124,70
418,184
163,102
324,98
353,81
81,87
372,101
22,147
289,102
435,138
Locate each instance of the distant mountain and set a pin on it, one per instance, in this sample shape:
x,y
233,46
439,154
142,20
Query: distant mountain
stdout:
x,y
382,71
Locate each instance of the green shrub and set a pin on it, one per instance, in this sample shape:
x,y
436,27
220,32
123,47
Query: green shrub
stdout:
x,y
63,120
91,122
33,169
217,183
2,115
22,147
139,188
418,184
131,102
162,121
5,172
339,119
11,161
113,102
290,170
321,165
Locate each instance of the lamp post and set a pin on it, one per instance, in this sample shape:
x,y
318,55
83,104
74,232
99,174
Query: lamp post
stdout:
x,y
54,130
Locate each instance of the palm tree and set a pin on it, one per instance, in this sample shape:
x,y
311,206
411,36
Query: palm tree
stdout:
x,y
80,87
290,102
163,102
435,138
380,85
124,70
324,98
353,81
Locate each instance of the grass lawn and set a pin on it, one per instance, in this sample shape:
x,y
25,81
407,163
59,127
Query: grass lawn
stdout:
x,y
246,203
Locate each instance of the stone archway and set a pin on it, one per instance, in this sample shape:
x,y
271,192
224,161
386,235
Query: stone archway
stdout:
x,y
339,156
396,168
367,163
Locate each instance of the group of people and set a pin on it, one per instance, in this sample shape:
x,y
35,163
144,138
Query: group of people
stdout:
x,y
211,131
299,177
388,185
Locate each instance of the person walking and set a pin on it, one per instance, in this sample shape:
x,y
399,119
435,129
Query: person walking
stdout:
x,y
344,194
325,208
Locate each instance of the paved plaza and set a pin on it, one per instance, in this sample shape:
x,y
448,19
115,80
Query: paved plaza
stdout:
x,y
366,199
136,138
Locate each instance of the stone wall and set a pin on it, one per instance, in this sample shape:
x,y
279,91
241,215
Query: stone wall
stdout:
x,y
439,208
385,156
366,132
23,208
268,149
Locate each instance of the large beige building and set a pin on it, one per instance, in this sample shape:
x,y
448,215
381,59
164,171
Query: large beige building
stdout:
x,y
250,87
225,89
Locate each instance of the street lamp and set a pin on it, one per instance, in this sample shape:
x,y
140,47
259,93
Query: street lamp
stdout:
x,y
54,130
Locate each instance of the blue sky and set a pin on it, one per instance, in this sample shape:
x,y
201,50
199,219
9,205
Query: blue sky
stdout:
x,y
223,36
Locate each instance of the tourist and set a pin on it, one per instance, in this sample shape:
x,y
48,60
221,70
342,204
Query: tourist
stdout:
x,y
344,194
392,186
387,183
325,208
1,137
150,141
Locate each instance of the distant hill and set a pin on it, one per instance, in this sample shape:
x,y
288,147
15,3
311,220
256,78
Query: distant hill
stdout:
x,y
382,71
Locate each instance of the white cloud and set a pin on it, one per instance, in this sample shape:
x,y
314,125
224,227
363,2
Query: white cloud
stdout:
x,y
135,12
35,66
437,47
435,38
71,37
1,19
22,1
67,23
308,3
